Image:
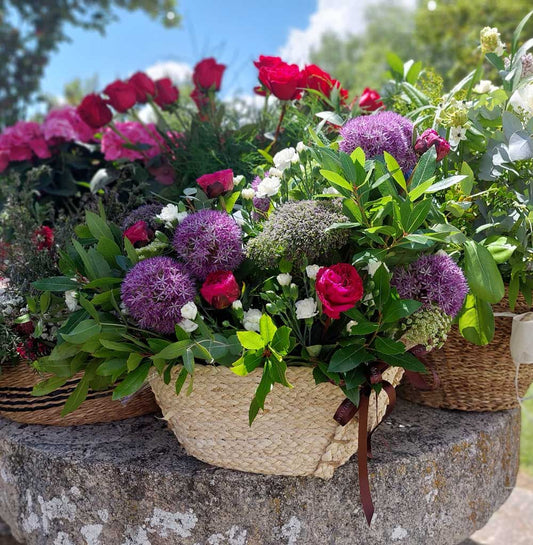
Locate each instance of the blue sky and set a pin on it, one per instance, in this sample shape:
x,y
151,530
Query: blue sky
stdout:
x,y
233,31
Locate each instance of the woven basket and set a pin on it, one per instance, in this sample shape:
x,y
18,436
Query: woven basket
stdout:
x,y
295,435
476,378
17,403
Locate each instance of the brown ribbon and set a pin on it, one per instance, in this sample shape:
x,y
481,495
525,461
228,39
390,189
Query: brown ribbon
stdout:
x,y
417,380
346,411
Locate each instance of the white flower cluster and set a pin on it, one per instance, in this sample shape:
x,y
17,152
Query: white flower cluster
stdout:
x,y
10,301
268,186
170,215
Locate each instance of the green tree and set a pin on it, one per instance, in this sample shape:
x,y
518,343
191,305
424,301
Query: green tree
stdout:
x,y
359,61
30,30
448,36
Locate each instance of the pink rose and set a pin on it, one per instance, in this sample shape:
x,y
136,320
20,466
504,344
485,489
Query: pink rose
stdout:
x,y
216,183
139,234
220,289
208,74
282,80
339,287
122,95
164,174
370,100
113,146
65,125
94,111
144,86
432,138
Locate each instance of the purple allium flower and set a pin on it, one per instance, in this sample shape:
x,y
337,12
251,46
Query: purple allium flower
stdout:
x,y
262,204
146,212
154,292
209,241
433,279
379,132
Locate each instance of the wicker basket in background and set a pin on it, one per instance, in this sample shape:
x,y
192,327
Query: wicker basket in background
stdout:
x,y
476,378
295,435
17,403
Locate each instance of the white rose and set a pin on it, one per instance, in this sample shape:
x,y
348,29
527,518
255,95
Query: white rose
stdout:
x,y
284,158
71,300
188,326
248,193
306,308
238,179
189,311
350,324
251,319
236,305
484,86
311,271
268,187
301,147
275,172
284,279
170,215
238,217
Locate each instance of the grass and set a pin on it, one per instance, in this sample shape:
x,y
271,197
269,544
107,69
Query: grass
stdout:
x,y
526,446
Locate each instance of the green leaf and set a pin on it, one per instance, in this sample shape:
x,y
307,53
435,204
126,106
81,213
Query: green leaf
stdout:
x,y
258,402
424,169
400,308
109,249
118,346
281,340
347,359
482,273
395,170
130,251
337,180
89,269
230,203
476,321
55,283
132,382
188,361
405,360
501,248
180,381
418,215
267,328
173,350
89,307
382,286
49,385
98,226
112,368
134,360
82,332
44,301
518,31
78,396
395,62
278,372
251,340
447,182
385,345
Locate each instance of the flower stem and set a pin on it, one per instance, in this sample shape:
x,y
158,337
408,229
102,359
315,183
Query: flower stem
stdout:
x,y
281,116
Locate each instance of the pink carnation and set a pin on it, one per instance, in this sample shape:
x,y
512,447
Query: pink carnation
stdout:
x,y
65,125
21,142
114,148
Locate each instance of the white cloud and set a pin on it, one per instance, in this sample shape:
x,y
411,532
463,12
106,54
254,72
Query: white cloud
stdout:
x,y
178,72
340,16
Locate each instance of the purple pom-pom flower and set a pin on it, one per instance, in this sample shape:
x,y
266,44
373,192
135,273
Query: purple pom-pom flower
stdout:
x,y
433,279
154,292
146,213
376,133
209,241
261,204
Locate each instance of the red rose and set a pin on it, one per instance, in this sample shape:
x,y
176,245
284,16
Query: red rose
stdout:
x,y
216,183
143,85
122,95
220,289
432,138
282,80
370,100
339,287
94,111
166,92
43,238
139,234
208,74
266,60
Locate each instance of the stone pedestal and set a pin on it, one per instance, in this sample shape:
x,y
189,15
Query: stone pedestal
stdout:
x,y
437,476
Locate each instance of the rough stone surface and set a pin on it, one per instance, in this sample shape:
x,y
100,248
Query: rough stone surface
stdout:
x,y
437,477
